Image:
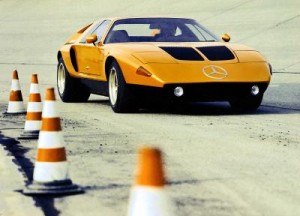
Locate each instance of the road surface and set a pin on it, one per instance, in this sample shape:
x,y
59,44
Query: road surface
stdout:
x,y
217,162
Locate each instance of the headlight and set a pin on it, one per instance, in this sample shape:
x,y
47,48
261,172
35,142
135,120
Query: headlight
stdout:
x,y
178,91
254,90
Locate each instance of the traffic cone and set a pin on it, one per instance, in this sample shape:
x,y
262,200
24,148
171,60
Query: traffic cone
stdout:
x,y
148,197
50,174
15,104
34,111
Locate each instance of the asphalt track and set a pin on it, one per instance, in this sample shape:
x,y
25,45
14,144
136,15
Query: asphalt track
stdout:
x,y
218,162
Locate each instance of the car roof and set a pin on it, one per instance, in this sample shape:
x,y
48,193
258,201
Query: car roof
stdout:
x,y
145,17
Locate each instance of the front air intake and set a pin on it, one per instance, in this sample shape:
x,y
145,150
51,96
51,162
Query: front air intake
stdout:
x,y
183,53
216,53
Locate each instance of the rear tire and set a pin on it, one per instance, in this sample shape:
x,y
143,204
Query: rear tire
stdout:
x,y
70,89
120,97
247,104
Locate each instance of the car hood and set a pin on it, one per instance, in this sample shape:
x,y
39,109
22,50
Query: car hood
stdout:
x,y
188,52
138,47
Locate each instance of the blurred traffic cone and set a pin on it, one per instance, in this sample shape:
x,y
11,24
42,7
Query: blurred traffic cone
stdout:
x,y
50,174
148,197
34,111
15,104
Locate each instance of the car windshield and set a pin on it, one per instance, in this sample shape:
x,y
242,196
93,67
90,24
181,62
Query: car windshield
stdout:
x,y
158,30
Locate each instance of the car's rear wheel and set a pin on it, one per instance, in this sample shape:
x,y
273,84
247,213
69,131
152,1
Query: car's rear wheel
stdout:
x,y
120,97
246,104
70,89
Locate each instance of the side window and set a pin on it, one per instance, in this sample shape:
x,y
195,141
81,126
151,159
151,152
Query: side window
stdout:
x,y
200,33
178,32
100,30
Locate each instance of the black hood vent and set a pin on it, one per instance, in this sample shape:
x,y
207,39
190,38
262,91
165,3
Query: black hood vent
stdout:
x,y
216,53
183,53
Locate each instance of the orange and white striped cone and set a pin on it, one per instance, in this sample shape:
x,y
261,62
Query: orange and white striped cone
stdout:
x,y
50,174
34,111
148,197
15,104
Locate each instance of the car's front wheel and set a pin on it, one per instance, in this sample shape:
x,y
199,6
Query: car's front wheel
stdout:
x,y
246,104
70,89
120,97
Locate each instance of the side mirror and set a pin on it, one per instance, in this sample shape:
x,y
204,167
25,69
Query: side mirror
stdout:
x,y
91,38
226,37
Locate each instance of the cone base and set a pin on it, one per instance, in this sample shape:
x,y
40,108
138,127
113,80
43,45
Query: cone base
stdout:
x,y
15,113
29,135
65,187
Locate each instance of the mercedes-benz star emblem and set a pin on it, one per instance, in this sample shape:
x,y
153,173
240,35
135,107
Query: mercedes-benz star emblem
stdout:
x,y
214,72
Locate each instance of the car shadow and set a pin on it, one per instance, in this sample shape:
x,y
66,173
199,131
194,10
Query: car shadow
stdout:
x,y
205,108
223,108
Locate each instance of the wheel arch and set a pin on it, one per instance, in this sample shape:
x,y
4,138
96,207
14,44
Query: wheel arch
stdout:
x,y
59,55
127,66
108,62
68,55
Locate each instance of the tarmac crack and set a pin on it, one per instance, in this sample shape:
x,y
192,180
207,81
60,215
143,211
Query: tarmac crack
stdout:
x,y
296,73
29,64
270,28
25,166
227,10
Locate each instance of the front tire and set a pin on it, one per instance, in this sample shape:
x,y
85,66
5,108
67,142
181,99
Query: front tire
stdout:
x,y
120,97
70,89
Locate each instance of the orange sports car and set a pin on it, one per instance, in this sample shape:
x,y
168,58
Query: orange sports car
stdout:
x,y
135,60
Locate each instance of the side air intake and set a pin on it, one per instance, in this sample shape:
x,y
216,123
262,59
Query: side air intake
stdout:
x,y
216,53
183,53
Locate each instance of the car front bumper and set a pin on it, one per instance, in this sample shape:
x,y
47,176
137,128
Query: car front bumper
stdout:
x,y
201,91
